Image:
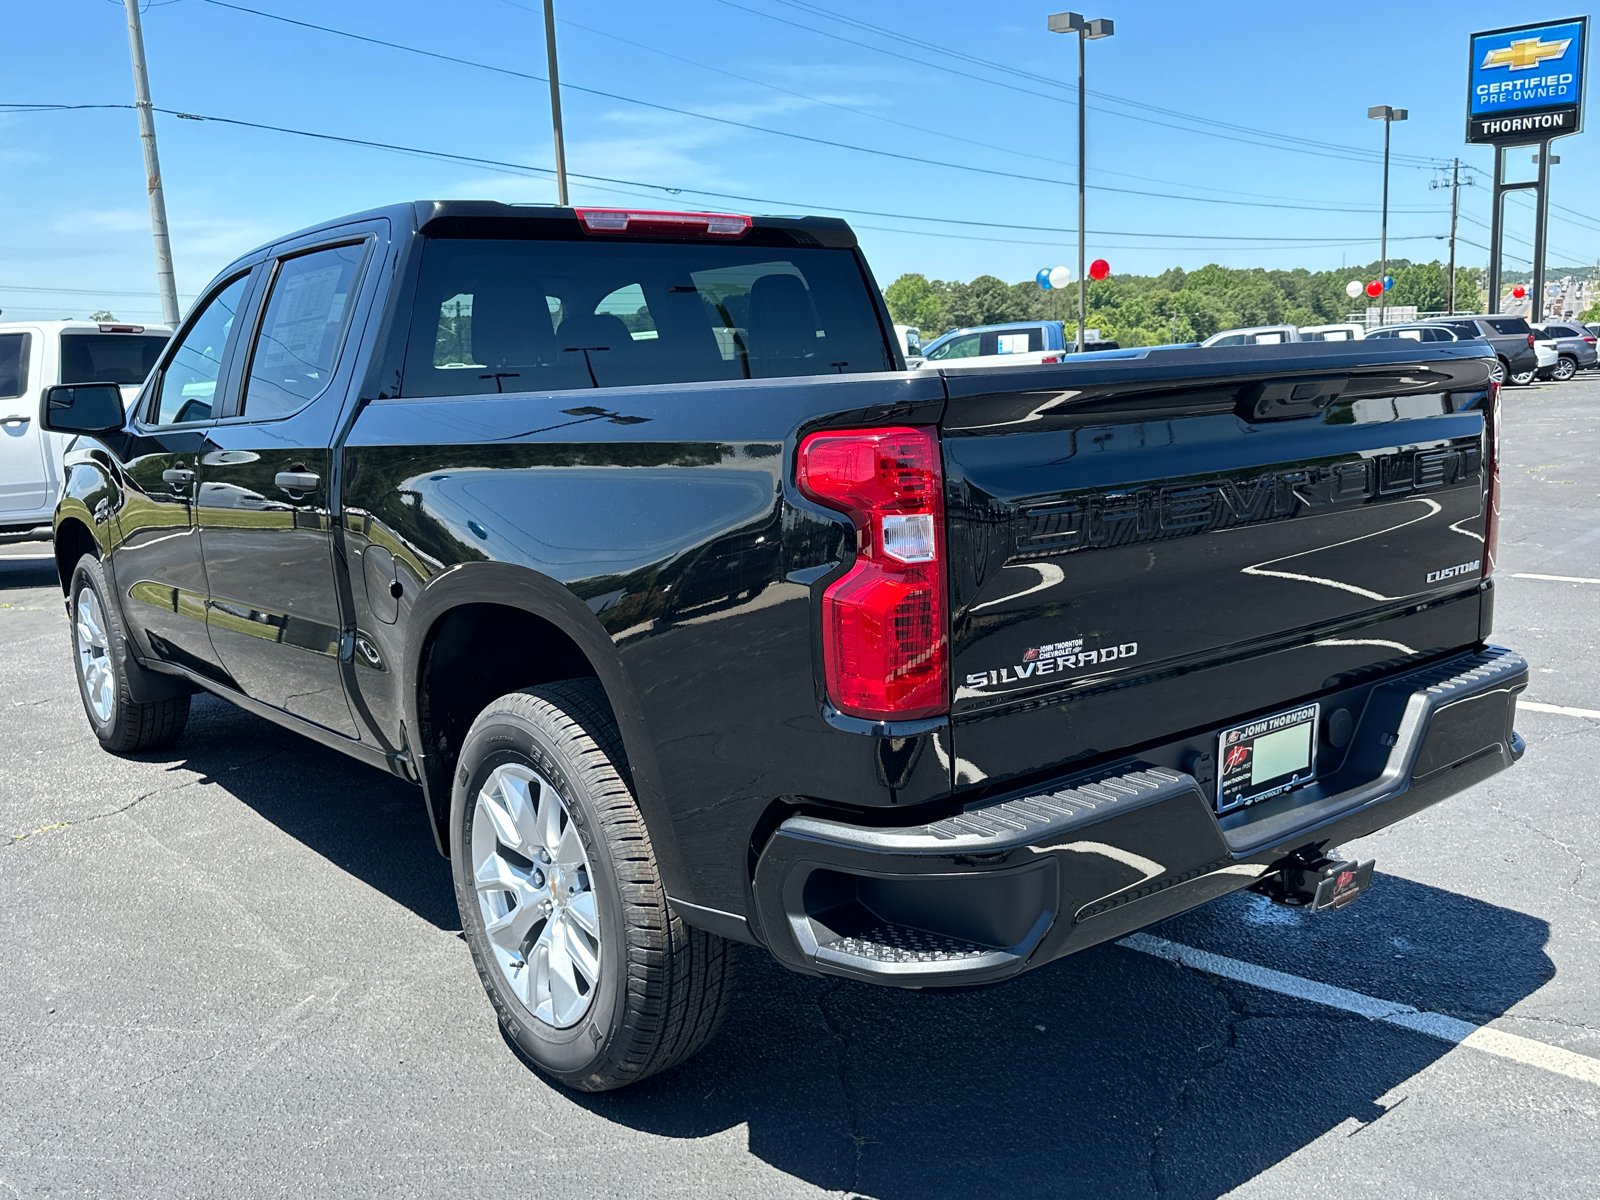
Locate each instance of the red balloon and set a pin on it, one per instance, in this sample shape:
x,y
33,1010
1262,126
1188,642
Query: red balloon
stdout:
x,y
1099,269
1519,291
1375,288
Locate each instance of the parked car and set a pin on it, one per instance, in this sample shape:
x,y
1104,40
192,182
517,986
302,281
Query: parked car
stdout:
x,y
34,355
1016,343
744,633
1575,345
1549,359
1508,335
1347,332
910,338
1256,335
1413,333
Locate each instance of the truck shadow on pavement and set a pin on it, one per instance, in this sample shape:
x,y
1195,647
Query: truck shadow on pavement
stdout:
x,y
1110,1073
1107,1074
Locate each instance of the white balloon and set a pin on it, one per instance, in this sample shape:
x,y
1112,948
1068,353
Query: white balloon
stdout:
x,y
1354,288
1060,277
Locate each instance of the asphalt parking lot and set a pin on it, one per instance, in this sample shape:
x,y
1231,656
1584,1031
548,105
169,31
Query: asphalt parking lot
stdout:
x,y
233,968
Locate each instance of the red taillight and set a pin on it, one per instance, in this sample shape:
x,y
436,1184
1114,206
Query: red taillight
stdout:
x,y
1491,467
639,223
884,643
1591,341
122,329
1530,341
1051,358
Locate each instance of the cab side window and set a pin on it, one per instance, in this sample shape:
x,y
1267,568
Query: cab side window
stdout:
x,y
961,347
189,383
300,333
13,365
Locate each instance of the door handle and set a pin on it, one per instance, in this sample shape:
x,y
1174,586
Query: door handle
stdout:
x,y
14,420
178,476
297,481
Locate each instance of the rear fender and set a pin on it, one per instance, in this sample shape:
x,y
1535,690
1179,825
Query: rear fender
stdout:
x,y
521,588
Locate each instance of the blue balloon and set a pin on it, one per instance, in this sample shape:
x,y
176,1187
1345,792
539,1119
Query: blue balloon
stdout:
x,y
1043,278
1388,282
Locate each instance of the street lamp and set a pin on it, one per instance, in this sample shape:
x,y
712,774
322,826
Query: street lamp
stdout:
x,y
1087,31
1382,112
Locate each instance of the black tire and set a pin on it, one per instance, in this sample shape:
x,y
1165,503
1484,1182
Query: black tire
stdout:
x,y
663,987
127,727
1566,367
1498,372
1521,378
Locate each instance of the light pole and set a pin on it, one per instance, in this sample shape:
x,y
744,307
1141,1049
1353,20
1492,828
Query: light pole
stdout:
x,y
1388,116
1071,22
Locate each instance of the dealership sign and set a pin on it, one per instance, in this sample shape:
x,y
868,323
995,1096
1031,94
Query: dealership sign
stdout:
x,y
1525,83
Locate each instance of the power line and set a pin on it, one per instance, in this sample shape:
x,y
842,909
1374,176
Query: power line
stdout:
x,y
892,154
526,168
1311,205
1328,150
819,10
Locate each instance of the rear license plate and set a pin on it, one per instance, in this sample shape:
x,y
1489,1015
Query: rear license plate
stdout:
x,y
1267,757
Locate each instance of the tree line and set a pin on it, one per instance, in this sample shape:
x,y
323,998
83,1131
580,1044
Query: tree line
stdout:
x,y
1177,305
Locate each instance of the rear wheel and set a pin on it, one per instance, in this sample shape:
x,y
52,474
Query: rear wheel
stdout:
x,y
1523,378
1565,368
592,974
99,651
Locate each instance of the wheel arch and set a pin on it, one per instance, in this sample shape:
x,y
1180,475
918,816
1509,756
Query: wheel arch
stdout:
x,y
472,602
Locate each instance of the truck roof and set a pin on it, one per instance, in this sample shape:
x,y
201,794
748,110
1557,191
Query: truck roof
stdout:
x,y
494,219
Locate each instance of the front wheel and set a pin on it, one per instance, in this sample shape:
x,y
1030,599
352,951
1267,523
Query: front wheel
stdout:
x,y
99,651
592,974
1497,373
1565,368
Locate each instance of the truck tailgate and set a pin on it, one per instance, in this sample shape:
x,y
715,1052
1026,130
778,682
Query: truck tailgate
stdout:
x,y
1145,546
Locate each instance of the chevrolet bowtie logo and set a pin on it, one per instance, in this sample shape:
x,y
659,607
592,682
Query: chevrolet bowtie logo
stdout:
x,y
1526,54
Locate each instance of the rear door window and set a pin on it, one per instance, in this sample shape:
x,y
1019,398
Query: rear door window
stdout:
x,y
109,357
1508,325
305,319
1465,329
514,316
965,346
13,364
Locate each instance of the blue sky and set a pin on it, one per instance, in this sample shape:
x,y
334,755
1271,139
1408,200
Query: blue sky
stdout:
x,y
73,215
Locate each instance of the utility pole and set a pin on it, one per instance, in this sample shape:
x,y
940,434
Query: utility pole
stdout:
x,y
555,100
1455,208
152,167
1087,31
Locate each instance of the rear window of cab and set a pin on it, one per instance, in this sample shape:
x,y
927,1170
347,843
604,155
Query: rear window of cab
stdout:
x,y
495,315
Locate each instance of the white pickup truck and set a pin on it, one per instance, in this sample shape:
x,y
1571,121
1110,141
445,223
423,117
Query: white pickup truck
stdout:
x,y
34,355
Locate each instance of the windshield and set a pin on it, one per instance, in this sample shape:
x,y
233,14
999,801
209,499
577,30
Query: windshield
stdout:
x,y
506,316
109,357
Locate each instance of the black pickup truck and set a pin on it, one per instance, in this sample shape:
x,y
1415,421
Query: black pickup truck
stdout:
x,y
699,619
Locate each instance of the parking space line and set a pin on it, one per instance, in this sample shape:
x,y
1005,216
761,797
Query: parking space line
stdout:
x,y
1560,708
1555,578
1447,1029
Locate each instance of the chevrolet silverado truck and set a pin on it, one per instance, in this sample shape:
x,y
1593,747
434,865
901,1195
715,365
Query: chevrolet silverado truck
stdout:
x,y
698,620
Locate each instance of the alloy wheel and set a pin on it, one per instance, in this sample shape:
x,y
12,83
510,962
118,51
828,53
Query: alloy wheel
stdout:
x,y
1565,369
94,655
536,894
1497,373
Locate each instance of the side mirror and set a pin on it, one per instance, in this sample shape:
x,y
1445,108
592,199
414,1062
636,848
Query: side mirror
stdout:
x,y
92,408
